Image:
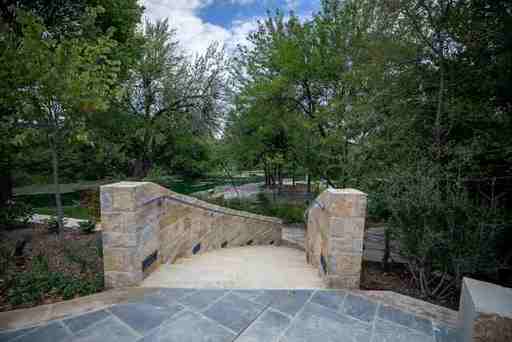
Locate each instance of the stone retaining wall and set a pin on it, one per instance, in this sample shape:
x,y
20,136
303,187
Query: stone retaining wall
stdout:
x,y
485,312
334,237
145,225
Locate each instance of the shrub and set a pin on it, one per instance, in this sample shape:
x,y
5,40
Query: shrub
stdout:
x,y
52,224
90,199
442,232
87,227
289,213
33,286
14,214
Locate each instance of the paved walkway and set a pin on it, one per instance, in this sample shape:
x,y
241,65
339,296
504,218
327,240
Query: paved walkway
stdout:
x,y
373,243
250,267
188,315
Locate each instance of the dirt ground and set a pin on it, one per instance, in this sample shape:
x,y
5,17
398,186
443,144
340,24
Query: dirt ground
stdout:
x,y
399,280
73,254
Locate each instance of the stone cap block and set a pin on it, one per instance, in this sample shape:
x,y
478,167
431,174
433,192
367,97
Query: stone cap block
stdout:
x,y
489,298
346,191
344,202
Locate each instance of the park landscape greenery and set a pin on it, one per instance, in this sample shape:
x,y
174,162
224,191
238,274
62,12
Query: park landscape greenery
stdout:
x,y
407,100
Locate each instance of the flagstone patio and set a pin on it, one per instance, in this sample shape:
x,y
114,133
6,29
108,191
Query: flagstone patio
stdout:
x,y
222,315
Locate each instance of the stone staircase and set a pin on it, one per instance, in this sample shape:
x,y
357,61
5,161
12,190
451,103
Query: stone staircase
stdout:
x,y
250,267
294,236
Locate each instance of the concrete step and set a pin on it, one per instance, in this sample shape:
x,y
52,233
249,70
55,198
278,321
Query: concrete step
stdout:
x,y
241,267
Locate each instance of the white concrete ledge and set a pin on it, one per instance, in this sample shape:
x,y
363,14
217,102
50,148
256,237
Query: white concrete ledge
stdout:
x,y
485,312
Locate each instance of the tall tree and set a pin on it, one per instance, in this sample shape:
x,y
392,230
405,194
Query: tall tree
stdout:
x,y
167,92
64,79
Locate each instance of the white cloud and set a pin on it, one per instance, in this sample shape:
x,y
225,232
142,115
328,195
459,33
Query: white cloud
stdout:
x,y
194,34
292,5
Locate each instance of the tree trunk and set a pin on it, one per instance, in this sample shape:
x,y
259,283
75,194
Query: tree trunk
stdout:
x,y
5,184
56,183
141,168
438,129
387,251
308,176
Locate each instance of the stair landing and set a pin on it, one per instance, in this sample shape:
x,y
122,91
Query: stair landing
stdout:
x,y
250,267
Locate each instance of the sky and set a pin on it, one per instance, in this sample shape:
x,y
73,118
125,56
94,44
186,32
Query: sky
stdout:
x,y
201,22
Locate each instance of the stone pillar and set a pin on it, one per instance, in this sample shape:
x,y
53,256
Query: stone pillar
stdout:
x,y
130,220
485,312
335,233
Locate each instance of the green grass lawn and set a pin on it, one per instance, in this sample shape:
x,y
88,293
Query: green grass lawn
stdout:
x,y
42,199
69,211
189,186
42,189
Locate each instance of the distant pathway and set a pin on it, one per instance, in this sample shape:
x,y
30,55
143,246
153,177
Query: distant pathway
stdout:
x,y
294,236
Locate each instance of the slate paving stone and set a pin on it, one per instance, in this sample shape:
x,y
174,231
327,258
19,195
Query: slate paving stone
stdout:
x,y
144,317
234,312
315,323
186,315
286,301
360,308
175,294
108,330
78,323
249,294
330,299
389,332
268,327
159,300
7,336
53,332
400,317
190,327
445,334
201,299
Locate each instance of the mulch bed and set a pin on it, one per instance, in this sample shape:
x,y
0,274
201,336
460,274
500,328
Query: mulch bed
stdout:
x,y
64,254
399,280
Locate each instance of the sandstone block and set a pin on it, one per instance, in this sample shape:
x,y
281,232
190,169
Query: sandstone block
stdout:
x,y
122,279
116,240
120,260
485,312
347,227
344,282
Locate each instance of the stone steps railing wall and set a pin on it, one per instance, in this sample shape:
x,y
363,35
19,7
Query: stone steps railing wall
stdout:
x,y
334,237
145,225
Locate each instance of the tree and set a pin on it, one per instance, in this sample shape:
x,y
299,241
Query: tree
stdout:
x,y
372,94
166,93
63,80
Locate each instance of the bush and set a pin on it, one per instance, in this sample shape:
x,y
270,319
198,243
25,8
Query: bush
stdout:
x,y
15,214
289,213
442,232
32,287
52,224
87,227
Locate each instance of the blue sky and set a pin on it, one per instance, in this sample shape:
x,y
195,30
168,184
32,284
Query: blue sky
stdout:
x,y
201,22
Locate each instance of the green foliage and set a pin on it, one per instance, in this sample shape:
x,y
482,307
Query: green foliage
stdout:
x,y
52,225
288,212
367,93
16,213
33,286
87,227
443,233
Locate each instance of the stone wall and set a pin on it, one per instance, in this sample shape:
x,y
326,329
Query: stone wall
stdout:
x,y
145,225
334,237
485,312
